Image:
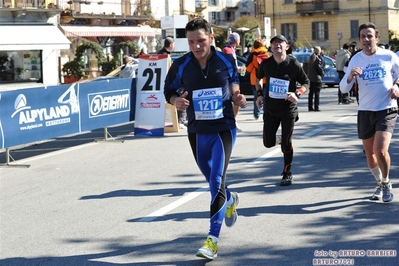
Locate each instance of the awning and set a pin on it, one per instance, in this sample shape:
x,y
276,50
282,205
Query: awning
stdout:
x,y
32,37
107,31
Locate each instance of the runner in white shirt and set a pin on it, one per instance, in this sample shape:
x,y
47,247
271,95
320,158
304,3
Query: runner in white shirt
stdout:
x,y
376,72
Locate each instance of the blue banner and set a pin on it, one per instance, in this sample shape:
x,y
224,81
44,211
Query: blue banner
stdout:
x,y
35,114
105,103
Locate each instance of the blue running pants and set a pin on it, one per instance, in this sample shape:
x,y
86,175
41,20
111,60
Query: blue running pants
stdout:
x,y
212,154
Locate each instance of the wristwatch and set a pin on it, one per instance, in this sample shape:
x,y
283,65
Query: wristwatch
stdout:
x,y
298,94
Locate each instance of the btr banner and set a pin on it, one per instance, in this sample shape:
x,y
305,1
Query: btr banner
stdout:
x,y
35,114
150,104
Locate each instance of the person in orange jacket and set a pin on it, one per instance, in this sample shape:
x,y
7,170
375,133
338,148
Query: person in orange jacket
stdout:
x,y
258,53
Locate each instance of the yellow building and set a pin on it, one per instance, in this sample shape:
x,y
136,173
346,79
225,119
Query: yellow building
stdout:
x,y
330,23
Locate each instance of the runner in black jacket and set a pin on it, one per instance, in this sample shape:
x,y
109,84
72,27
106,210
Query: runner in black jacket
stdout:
x,y
282,73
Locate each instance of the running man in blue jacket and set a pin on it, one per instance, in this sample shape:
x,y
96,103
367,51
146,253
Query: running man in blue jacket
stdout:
x,y
209,83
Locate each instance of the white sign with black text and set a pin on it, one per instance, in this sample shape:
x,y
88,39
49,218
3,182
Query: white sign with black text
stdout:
x,y
150,105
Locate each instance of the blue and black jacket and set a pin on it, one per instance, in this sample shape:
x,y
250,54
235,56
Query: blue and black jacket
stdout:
x,y
185,74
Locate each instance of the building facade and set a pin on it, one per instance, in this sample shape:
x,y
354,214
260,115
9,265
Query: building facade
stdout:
x,y
330,23
107,23
36,46
224,13
42,35
327,23
30,43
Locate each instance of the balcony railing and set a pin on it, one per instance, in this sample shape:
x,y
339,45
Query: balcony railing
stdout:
x,y
108,16
27,4
22,11
318,6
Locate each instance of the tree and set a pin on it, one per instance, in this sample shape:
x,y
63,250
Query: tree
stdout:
x,y
393,41
75,68
96,48
117,51
109,66
220,37
247,22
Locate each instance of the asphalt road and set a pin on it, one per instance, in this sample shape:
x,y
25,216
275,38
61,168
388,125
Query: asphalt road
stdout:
x,y
144,202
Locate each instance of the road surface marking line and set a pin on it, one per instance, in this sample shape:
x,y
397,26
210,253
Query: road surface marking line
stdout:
x,y
162,211
263,157
313,132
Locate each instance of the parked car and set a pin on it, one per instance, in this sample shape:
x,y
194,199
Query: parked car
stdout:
x,y
330,76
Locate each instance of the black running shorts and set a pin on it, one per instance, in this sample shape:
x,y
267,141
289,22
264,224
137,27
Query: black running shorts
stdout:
x,y
368,122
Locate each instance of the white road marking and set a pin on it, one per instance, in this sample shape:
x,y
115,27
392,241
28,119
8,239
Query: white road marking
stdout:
x,y
313,132
152,216
346,117
263,157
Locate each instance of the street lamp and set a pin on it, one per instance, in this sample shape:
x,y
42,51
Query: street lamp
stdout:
x,y
242,31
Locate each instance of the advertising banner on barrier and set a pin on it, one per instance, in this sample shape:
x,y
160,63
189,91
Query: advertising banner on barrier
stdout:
x,y
150,105
35,114
104,103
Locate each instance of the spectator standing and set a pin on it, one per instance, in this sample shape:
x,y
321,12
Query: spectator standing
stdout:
x,y
129,68
397,53
289,50
333,55
376,72
210,84
282,73
354,91
230,48
322,59
315,75
353,50
342,58
353,47
168,46
248,51
257,55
